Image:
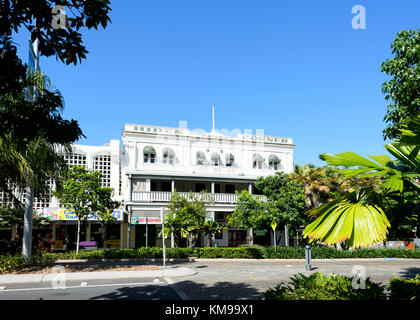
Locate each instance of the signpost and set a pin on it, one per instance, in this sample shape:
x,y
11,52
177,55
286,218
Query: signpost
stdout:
x,y
274,226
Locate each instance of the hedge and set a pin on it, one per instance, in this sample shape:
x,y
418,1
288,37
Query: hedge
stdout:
x,y
332,253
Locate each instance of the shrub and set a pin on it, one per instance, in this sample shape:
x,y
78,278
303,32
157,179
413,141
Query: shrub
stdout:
x,y
10,263
320,287
228,253
319,252
401,289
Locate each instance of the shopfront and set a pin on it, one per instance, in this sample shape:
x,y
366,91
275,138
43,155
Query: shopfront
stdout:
x,y
147,230
65,225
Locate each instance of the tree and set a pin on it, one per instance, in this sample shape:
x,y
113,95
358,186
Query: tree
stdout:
x,y
324,184
37,16
30,159
23,119
364,205
285,204
186,216
83,194
210,229
286,199
403,89
351,218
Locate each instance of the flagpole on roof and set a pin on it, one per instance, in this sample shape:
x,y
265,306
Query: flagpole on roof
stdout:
x,y
213,120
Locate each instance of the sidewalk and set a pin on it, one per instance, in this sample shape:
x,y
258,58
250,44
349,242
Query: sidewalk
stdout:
x,y
170,271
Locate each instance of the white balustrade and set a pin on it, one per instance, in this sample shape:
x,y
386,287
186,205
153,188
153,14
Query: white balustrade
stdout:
x,y
161,196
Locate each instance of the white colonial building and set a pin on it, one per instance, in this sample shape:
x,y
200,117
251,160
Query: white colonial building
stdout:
x,y
157,161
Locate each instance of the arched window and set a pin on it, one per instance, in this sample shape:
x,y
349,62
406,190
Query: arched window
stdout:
x,y
149,154
273,162
200,157
168,155
257,161
229,160
215,159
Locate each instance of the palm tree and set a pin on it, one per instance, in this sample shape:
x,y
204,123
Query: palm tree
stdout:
x,y
356,216
210,228
29,162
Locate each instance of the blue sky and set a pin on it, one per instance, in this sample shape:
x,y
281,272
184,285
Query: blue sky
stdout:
x,y
291,67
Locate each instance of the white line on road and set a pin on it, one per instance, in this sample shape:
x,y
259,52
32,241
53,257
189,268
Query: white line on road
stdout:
x,y
84,287
179,292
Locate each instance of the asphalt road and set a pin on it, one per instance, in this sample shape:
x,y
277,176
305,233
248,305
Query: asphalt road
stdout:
x,y
215,280
120,289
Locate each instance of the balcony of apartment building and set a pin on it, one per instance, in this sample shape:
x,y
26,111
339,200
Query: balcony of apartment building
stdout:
x,y
158,190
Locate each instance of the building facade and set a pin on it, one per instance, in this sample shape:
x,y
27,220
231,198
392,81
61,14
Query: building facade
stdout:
x,y
157,161
151,164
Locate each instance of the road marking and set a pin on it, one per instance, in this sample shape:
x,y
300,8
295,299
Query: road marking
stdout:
x,y
88,286
178,291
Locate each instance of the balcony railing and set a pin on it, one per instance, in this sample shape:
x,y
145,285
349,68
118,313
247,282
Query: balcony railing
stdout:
x,y
161,196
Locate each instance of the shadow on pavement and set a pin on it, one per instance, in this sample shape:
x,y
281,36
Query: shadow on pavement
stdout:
x,y
410,272
218,291
148,292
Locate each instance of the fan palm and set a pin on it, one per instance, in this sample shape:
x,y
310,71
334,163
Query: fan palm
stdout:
x,y
356,216
351,218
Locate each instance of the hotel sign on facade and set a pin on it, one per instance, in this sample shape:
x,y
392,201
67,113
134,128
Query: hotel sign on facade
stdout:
x,y
180,131
142,220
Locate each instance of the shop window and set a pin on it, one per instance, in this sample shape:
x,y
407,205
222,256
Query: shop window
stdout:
x,y
113,235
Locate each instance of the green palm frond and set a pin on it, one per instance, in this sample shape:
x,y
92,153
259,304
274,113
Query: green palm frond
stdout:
x,y
381,165
350,219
